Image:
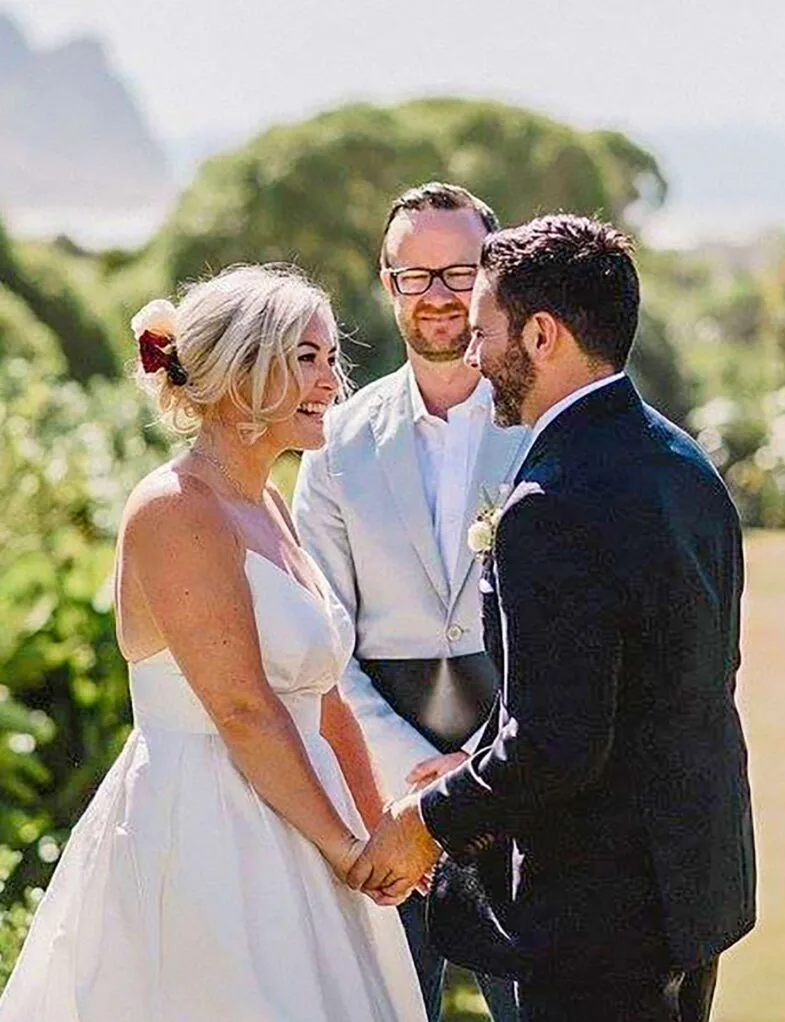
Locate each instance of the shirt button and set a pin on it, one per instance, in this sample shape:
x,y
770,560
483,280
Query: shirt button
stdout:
x,y
454,632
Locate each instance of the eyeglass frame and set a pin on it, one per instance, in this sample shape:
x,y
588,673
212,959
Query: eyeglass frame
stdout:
x,y
434,275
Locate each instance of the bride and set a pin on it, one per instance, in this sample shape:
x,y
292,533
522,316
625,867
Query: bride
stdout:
x,y
205,879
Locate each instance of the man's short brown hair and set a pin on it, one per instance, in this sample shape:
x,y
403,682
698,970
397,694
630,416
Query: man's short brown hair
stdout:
x,y
578,269
437,195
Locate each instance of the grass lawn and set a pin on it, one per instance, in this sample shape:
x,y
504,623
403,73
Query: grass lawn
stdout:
x,y
752,974
752,977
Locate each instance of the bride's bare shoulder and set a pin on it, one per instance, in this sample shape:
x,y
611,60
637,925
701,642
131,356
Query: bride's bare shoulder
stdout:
x,y
173,503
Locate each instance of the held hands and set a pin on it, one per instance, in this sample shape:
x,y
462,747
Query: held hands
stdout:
x,y
343,855
398,856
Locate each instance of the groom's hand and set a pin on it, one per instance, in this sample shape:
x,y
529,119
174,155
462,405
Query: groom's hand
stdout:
x,y
398,855
432,769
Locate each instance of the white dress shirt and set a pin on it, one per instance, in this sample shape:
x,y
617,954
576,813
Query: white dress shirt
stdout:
x,y
561,406
447,451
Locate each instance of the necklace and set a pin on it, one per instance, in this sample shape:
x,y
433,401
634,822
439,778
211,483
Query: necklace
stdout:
x,y
217,463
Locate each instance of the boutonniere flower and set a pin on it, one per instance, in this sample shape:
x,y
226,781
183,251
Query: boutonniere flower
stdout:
x,y
482,531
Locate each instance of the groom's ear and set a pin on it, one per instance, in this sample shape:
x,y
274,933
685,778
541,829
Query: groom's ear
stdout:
x,y
541,335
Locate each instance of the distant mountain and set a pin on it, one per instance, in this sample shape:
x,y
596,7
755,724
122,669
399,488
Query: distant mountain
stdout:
x,y
71,134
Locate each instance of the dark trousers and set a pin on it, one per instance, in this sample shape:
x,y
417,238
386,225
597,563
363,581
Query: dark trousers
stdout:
x,y
499,994
670,997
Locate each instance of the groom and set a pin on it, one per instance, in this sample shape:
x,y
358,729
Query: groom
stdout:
x,y
612,782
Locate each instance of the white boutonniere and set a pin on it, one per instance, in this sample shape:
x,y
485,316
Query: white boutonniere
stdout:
x,y
482,531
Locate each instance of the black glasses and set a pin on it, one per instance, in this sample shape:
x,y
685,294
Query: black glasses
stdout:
x,y
415,280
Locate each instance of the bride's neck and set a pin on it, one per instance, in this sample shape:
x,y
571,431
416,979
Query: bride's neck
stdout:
x,y
248,466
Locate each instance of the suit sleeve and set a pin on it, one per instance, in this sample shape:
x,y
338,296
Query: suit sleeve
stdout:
x,y
561,610
395,746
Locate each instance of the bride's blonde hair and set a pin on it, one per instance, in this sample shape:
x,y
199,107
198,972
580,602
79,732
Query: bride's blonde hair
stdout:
x,y
229,333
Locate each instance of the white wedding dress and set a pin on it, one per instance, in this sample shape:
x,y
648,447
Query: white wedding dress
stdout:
x,y
182,897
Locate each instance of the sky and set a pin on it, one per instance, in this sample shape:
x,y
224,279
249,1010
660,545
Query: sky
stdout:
x,y
210,73
230,67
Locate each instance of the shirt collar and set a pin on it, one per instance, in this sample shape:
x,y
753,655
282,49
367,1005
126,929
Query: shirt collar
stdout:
x,y
480,397
561,406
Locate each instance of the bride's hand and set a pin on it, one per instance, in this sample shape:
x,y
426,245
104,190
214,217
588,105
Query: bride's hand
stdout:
x,y
344,855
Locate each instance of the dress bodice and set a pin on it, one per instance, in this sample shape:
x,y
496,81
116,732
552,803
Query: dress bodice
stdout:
x,y
305,641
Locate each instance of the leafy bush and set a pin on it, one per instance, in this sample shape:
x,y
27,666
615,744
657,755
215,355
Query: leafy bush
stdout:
x,y
41,282
15,918
22,335
746,441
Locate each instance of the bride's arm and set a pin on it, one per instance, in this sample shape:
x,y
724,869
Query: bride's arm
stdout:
x,y
341,730
189,566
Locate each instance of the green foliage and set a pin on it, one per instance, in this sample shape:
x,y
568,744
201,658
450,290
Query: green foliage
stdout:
x,y
725,311
22,335
43,286
656,367
15,919
746,441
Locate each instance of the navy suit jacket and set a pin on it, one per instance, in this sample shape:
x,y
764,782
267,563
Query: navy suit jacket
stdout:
x,y
613,780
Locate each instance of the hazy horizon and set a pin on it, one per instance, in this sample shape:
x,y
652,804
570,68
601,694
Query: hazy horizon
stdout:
x,y
206,74
202,68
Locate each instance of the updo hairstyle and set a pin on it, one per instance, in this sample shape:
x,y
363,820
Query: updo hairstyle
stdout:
x,y
227,335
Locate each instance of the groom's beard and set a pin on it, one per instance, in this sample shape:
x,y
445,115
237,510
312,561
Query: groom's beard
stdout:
x,y
512,379
435,349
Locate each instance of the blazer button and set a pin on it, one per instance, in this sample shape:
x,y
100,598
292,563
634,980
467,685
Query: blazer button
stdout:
x,y
454,632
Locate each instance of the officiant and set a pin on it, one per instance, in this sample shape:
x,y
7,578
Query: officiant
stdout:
x,y
385,508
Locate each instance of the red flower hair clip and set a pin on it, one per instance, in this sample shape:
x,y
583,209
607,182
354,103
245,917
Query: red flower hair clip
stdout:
x,y
159,353
154,352
153,327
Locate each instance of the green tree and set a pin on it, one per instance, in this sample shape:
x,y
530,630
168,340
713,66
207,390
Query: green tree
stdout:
x,y
655,366
46,291
24,336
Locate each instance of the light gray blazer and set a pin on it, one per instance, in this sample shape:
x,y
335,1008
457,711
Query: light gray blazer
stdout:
x,y
361,513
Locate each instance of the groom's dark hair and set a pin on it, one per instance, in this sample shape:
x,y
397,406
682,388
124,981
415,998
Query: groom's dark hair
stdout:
x,y
579,270
437,195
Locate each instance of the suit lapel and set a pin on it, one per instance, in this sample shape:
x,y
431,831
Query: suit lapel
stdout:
x,y
501,452
393,430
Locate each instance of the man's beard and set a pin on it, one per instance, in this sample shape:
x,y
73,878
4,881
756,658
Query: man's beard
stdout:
x,y
512,380
453,352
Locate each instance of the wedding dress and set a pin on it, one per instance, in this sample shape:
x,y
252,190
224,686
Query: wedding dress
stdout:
x,y
182,897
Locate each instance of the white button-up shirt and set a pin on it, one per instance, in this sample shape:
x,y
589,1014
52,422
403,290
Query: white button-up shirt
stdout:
x,y
447,451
